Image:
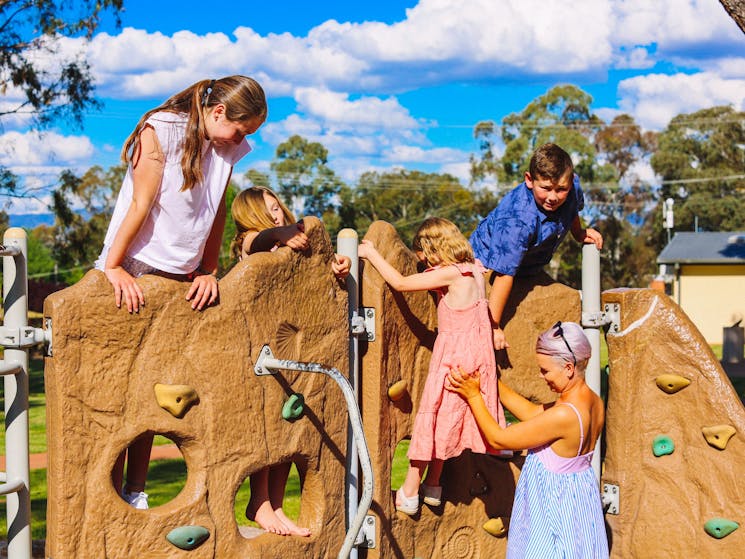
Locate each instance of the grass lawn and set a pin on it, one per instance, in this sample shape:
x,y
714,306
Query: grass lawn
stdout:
x,y
167,477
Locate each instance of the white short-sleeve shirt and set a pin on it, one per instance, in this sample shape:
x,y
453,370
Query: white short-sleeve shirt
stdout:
x,y
173,236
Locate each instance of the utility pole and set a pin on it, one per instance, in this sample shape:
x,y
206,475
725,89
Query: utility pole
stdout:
x,y
667,217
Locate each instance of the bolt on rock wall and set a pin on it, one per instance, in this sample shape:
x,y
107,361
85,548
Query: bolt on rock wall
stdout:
x,y
476,488
101,395
674,436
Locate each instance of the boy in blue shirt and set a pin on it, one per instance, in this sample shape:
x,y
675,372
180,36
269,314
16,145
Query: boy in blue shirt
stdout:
x,y
521,234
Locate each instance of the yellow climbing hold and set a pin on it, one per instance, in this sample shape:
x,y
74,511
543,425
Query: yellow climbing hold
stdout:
x,y
672,383
718,435
495,527
176,399
397,390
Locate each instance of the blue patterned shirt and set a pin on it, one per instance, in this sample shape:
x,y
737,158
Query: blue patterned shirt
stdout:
x,y
518,237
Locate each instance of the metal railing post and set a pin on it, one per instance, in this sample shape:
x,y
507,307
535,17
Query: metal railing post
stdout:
x,y
591,324
15,306
266,364
347,246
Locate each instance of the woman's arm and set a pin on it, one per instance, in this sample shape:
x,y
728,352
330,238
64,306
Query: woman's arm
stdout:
x,y
147,174
425,281
540,429
521,407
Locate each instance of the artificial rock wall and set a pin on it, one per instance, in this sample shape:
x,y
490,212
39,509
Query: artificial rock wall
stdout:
x,y
100,385
674,436
675,454
476,488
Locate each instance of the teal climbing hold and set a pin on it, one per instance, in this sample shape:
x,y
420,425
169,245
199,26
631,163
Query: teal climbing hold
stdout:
x,y
720,527
662,445
293,407
188,537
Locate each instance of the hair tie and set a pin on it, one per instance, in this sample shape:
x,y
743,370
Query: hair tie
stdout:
x,y
206,94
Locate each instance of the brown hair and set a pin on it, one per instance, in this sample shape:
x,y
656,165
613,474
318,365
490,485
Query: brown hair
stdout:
x,y
550,162
250,214
440,241
242,97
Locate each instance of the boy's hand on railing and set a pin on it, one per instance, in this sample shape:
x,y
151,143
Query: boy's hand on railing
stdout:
x,y
125,287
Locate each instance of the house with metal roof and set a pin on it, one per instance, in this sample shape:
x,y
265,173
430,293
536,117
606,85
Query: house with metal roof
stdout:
x,y
704,272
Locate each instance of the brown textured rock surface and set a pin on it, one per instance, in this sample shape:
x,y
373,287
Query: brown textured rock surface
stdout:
x,y
476,487
100,397
106,362
665,501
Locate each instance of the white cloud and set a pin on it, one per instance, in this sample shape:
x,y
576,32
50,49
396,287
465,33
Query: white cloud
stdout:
x,y
416,154
656,98
439,41
337,109
18,151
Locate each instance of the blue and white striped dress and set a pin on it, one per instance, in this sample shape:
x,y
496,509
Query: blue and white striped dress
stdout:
x,y
557,513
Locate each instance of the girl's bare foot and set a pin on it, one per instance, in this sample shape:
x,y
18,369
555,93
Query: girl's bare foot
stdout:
x,y
294,529
265,517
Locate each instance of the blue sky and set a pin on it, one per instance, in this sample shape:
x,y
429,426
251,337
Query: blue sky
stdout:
x,y
390,83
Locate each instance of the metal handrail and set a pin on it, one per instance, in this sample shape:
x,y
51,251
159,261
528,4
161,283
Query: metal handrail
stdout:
x,y
266,364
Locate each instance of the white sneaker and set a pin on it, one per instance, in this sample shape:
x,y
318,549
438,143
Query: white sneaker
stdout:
x,y
137,499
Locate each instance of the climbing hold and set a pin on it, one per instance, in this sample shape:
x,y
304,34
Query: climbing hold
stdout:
x,y
293,407
720,527
188,537
718,435
480,488
672,383
495,527
397,390
176,399
662,445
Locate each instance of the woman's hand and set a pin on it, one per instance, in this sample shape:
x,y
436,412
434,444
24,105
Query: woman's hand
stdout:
x,y
340,265
466,384
125,287
203,291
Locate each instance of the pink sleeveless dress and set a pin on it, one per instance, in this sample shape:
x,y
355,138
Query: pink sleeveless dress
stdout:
x,y
444,426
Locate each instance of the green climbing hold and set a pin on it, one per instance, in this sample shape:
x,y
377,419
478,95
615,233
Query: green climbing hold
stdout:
x,y
662,445
293,407
188,537
720,527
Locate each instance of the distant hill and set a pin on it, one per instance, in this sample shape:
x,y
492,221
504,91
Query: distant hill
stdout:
x,y
31,220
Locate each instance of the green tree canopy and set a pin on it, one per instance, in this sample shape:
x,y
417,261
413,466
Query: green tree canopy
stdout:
x,y
46,93
304,177
701,159
83,208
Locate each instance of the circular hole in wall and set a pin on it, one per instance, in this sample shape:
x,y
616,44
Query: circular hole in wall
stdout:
x,y
253,511
400,464
157,469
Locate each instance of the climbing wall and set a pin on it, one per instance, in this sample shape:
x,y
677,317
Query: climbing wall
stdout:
x,y
674,427
478,490
189,375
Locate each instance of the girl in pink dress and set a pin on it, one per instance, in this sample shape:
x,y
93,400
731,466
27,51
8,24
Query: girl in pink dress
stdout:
x,y
444,426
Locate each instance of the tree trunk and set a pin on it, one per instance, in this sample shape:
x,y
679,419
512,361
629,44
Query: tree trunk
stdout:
x,y
736,10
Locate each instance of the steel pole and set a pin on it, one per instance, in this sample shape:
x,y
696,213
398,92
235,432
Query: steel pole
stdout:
x,y
347,242
591,307
15,306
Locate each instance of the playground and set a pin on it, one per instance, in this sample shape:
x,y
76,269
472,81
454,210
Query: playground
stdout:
x,y
671,447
